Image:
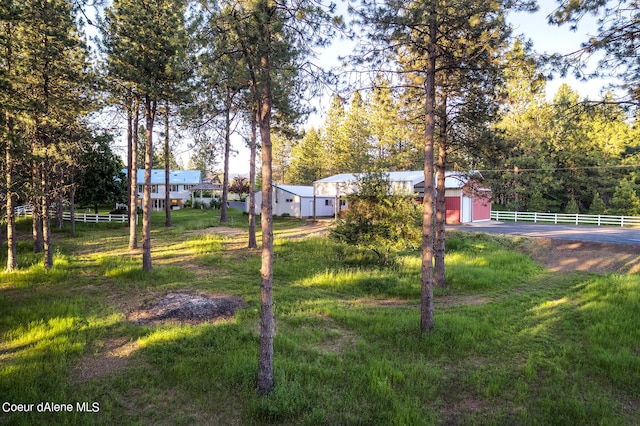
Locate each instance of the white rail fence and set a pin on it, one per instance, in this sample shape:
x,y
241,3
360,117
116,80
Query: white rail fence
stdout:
x,y
79,217
574,219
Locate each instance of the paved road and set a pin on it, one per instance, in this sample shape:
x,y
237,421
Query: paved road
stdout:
x,y
603,234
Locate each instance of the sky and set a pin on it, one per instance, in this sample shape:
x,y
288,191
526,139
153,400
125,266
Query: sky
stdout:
x,y
533,26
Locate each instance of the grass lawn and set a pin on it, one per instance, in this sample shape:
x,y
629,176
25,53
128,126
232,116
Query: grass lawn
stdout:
x,y
513,343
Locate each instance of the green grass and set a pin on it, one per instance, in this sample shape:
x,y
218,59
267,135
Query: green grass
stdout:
x,y
513,343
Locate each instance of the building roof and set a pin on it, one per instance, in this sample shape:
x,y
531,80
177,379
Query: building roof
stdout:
x,y
414,176
452,179
176,177
302,191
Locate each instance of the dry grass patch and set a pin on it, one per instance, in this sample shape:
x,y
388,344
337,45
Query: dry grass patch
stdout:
x,y
113,355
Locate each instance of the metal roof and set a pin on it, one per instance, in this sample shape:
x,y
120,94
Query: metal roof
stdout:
x,y
176,177
452,179
415,176
302,191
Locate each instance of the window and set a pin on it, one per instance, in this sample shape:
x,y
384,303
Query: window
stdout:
x,y
154,189
289,200
174,188
140,188
328,203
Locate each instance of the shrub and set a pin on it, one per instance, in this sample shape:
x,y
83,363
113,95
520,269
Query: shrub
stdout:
x,y
378,219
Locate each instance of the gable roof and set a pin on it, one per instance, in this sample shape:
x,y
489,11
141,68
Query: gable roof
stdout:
x,y
302,191
414,176
452,179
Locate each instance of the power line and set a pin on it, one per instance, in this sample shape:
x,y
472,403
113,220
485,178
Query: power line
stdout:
x,y
555,169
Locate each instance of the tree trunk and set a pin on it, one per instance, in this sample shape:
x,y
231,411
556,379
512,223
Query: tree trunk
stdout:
x,y
36,202
150,110
59,203
72,206
46,217
128,103
12,262
252,183
267,320
133,188
167,171
227,149
426,301
441,208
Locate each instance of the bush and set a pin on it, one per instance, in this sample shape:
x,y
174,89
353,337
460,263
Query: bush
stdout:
x,y
378,219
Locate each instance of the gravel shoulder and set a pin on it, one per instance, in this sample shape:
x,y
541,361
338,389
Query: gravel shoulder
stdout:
x,y
596,257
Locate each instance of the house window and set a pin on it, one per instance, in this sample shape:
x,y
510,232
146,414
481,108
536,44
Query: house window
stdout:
x,y
140,188
343,202
186,187
174,188
328,203
154,189
289,200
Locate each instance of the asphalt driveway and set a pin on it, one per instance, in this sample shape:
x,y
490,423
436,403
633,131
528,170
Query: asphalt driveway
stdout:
x,y
601,234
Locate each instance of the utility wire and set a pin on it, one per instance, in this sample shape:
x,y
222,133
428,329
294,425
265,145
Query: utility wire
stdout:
x,y
554,169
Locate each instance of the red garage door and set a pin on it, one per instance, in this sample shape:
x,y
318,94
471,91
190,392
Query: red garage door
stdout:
x,y
481,208
452,205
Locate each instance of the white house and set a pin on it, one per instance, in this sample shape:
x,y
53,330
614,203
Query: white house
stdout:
x,y
466,200
181,182
296,201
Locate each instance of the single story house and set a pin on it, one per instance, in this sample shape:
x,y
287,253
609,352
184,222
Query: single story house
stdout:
x,y
466,200
181,183
295,201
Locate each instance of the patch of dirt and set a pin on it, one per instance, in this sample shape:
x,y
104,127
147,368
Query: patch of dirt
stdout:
x,y
114,355
444,301
217,230
340,339
570,256
185,308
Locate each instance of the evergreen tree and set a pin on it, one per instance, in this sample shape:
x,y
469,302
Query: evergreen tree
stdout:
x,y
597,205
615,41
377,219
352,151
572,207
54,83
625,199
144,46
308,160
428,40
331,136
393,148
275,39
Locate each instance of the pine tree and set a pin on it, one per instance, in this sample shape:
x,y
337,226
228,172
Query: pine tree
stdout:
x,y
428,40
331,135
143,43
55,87
273,38
625,199
308,160
597,205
